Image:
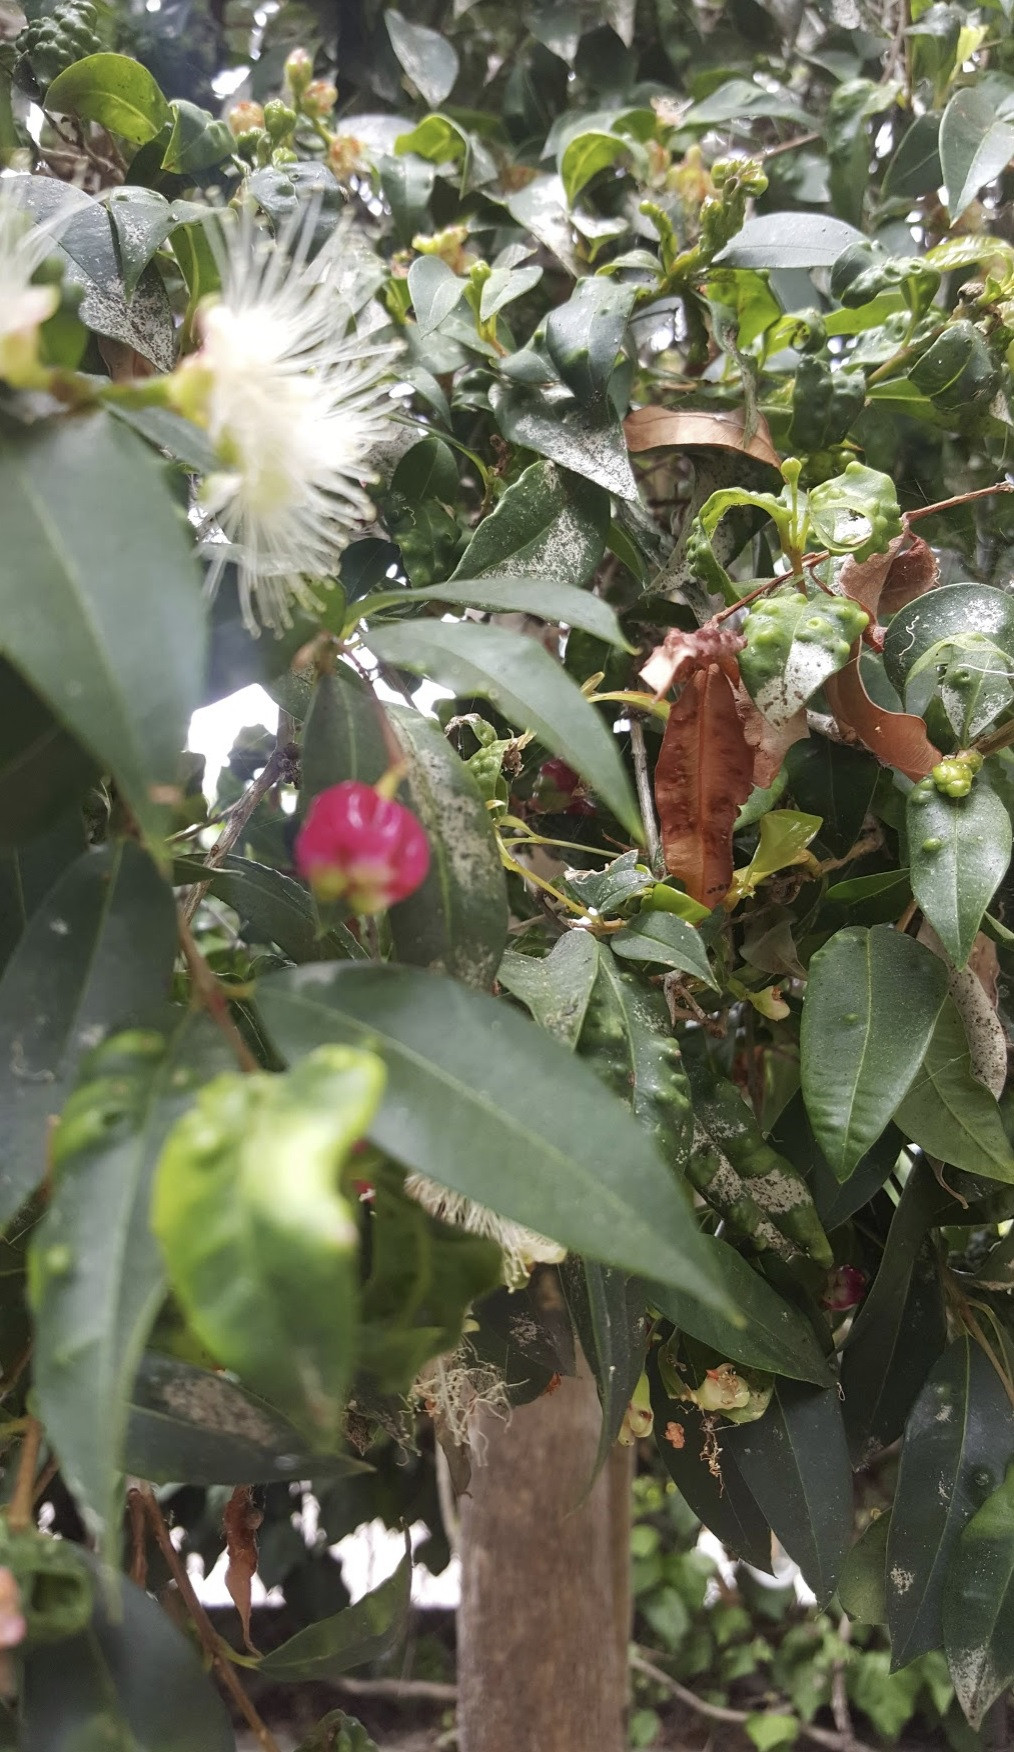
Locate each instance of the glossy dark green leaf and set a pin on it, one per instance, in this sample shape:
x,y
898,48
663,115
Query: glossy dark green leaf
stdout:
x,y
363,1632
132,1680
836,783
900,1329
585,154
776,1337
872,1001
550,523
607,1308
28,873
946,613
435,290
949,1113
43,770
978,1611
792,1135
95,1273
552,422
543,597
346,735
959,1439
197,140
427,57
584,335
667,941
795,1462
260,1247
407,184
556,988
628,1042
975,146
456,922
272,908
482,1101
721,1497
191,1426
96,957
125,674
789,240
915,168
862,1587
114,90
959,850
523,682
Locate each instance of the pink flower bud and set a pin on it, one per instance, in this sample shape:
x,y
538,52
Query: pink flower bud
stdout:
x,y
319,98
846,1286
362,848
244,118
299,70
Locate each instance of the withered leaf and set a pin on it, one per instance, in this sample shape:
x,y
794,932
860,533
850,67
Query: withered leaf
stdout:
x,y
704,773
899,739
654,428
240,1522
912,573
680,653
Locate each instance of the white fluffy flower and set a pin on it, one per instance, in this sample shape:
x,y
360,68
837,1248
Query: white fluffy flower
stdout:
x,y
24,246
292,400
521,1248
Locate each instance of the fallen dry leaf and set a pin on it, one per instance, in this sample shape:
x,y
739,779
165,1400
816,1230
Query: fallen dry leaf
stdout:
x,y
680,653
703,775
653,428
897,738
240,1522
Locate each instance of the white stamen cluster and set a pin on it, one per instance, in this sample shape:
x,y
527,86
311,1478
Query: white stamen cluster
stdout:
x,y
521,1248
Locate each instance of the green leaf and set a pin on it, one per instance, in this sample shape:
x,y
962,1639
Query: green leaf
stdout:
x,y
435,289
976,144
949,1113
789,240
862,1586
951,612
959,850
776,1337
607,1309
142,220
464,1067
584,336
193,1426
793,646
900,1329
872,1001
541,597
94,1272
259,1245
456,922
550,524
915,168
503,286
721,1499
557,988
97,956
795,1461
978,1608
771,1729
131,1680
552,422
522,681
856,512
125,674
541,207
42,769
958,1442
666,940
792,1135
407,184
587,153
427,57
114,90
836,783
272,908
363,1632
346,736
28,873
628,1041
197,140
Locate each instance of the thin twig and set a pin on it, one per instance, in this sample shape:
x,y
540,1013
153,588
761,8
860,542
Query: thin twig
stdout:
x,y
717,1712
21,1513
211,995
236,820
211,1642
839,1694
400,1690
645,800
138,1537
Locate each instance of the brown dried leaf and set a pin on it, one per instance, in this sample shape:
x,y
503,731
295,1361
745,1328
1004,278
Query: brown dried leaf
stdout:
x,y
653,428
770,742
912,573
680,653
704,773
897,738
985,964
863,580
240,1522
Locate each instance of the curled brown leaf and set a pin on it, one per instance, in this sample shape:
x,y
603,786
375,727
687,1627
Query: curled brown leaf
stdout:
x,y
897,738
703,776
654,428
240,1522
680,653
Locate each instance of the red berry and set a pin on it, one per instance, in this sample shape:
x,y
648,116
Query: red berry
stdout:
x,y
846,1286
558,773
361,848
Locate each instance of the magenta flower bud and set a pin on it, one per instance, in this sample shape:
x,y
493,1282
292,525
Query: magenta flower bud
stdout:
x,y
846,1286
361,848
